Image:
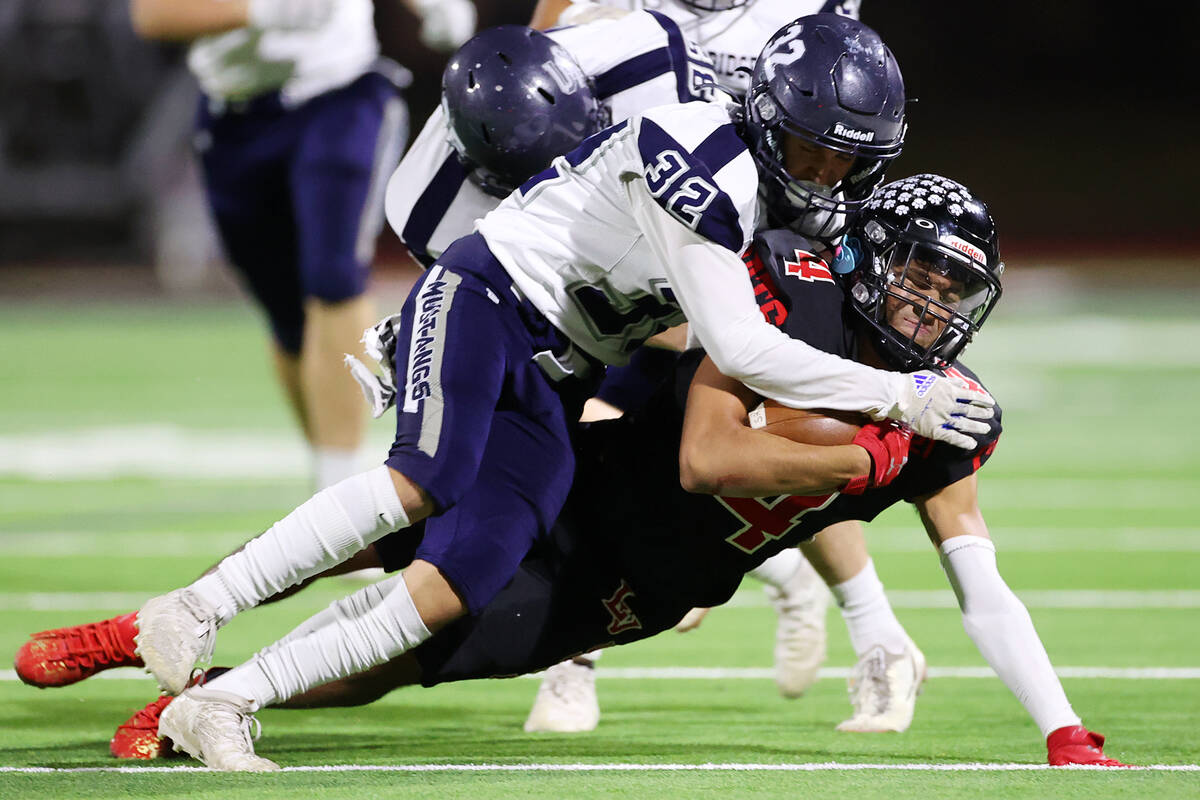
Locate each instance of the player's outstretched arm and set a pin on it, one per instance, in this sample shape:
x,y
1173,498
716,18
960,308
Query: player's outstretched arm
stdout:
x,y
721,454
712,288
1000,625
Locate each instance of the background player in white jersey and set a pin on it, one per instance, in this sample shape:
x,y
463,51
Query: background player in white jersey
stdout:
x,y
731,32
478,146
299,125
637,229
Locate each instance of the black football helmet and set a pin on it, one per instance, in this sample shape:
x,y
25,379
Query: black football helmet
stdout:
x,y
927,259
515,99
830,80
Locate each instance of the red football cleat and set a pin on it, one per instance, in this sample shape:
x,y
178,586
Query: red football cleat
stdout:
x,y
1075,744
66,655
138,737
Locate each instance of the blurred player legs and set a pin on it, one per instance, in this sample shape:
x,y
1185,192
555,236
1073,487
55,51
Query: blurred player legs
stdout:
x,y
324,397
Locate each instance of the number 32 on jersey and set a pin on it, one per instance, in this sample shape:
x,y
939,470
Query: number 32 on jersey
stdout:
x,y
684,199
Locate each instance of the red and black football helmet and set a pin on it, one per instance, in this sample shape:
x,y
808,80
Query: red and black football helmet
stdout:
x,y
928,245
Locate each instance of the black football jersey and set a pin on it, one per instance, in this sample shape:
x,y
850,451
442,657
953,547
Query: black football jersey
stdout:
x,y
699,546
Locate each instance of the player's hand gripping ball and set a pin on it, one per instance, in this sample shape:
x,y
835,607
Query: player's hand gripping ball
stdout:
x,y
886,442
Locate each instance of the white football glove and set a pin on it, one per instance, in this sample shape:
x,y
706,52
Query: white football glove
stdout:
x,y
446,24
943,408
290,14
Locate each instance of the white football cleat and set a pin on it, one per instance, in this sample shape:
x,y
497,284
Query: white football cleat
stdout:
x,y
214,727
566,701
176,631
800,630
883,690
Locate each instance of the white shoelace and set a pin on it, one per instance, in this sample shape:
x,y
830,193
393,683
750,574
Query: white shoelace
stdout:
x,y
205,630
870,689
217,716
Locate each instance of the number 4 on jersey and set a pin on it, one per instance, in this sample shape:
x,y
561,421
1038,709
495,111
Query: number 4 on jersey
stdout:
x,y
766,519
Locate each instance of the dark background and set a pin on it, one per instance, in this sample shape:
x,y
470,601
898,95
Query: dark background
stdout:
x,y
1079,128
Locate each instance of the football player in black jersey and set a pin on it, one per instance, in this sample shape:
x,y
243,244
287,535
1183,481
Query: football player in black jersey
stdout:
x,y
630,553
634,550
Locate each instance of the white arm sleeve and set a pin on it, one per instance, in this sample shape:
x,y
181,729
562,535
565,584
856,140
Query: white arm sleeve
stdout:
x,y
999,624
713,288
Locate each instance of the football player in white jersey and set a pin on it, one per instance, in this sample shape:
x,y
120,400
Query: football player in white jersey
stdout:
x,y
299,125
458,169
634,231
476,147
731,32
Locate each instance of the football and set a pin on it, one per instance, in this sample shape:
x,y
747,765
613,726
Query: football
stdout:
x,y
814,426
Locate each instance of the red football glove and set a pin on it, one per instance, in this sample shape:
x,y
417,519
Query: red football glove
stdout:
x,y
1075,744
887,443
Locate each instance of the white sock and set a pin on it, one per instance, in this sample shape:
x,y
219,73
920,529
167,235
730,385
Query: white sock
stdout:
x,y
999,624
776,570
333,464
868,614
324,531
371,626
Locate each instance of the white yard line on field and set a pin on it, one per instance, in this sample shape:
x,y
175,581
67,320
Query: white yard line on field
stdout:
x,y
746,598
827,766
768,673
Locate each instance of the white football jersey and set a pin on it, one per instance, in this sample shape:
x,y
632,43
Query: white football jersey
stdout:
x,y
301,64
734,38
635,63
641,228
574,237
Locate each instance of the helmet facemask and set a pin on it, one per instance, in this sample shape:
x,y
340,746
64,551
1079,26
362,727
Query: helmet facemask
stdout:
x,y
924,300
